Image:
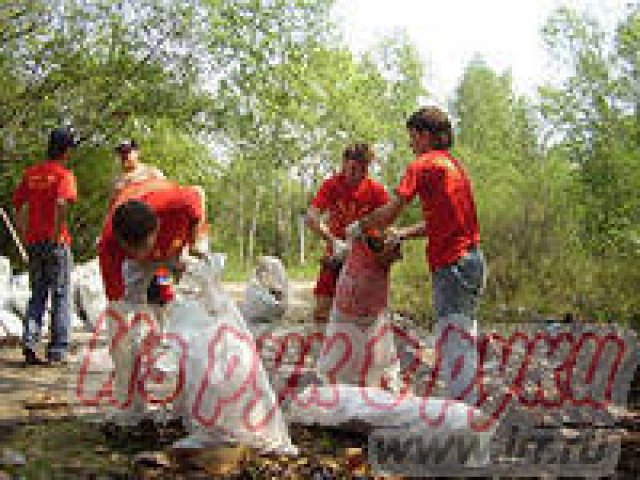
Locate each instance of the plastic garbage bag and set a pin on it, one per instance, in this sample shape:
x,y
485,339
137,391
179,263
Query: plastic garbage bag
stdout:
x,y
267,292
10,324
360,323
129,371
17,295
88,293
5,274
202,367
125,354
5,283
113,378
227,393
17,300
380,411
360,352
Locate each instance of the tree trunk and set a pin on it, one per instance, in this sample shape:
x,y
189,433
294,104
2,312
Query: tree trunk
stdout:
x,y
254,225
301,227
241,225
277,241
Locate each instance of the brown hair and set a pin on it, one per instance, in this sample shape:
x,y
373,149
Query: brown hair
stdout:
x,y
133,222
358,151
436,122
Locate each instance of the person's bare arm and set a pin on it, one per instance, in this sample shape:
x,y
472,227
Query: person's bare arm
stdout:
x,y
418,230
383,216
314,222
200,229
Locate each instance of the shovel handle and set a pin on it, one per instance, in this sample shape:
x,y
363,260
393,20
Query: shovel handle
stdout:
x,y
14,235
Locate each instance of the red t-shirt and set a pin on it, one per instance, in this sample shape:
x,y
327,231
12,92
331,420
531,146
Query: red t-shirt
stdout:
x,y
447,205
41,187
347,203
178,209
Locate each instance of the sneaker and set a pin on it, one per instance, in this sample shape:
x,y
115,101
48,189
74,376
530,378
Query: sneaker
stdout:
x,y
31,358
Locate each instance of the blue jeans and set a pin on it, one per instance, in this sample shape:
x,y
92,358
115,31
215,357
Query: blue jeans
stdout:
x,y
456,290
49,271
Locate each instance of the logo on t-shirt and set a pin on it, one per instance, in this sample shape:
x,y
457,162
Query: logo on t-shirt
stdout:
x,y
41,182
446,163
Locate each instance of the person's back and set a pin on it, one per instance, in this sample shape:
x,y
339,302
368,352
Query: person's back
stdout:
x,y
159,218
43,194
448,206
42,186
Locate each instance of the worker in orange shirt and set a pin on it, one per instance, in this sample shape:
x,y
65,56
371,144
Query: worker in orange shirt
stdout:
x,y
454,256
41,200
147,230
345,197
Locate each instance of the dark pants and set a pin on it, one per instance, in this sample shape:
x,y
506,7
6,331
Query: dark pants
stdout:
x,y
49,271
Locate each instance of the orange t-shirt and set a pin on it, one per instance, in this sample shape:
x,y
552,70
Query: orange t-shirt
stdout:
x,y
41,187
448,207
178,208
347,203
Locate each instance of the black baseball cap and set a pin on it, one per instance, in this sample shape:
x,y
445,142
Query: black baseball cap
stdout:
x,y
127,146
59,140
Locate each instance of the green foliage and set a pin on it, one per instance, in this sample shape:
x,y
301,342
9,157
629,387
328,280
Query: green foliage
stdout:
x,y
255,101
557,200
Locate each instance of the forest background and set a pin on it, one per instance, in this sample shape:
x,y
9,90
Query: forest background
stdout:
x,y
255,101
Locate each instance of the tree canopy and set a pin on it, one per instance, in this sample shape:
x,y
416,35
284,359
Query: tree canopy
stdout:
x,y
255,101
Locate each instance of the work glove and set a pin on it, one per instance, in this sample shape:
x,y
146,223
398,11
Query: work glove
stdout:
x,y
353,231
339,248
201,247
393,235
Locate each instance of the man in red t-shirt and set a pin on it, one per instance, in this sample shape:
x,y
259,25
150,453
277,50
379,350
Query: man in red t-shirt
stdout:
x,y
346,197
41,200
148,229
450,223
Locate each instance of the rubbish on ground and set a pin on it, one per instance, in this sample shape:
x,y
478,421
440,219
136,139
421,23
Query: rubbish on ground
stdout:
x,y
267,292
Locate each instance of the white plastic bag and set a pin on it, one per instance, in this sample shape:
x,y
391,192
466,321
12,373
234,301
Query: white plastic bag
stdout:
x,y
227,394
9,321
10,324
112,378
5,274
360,321
360,352
18,295
267,292
384,412
88,293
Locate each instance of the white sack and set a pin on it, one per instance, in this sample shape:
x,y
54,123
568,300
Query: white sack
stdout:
x,y
267,293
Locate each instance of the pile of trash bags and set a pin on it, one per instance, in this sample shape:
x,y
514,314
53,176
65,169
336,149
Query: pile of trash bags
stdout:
x,y
265,297
87,298
10,321
197,362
